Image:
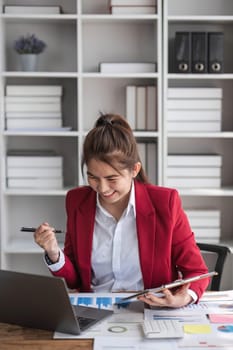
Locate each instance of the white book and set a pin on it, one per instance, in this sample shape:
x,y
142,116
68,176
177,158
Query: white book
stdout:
x,y
204,221
199,104
34,161
203,213
194,160
33,107
208,240
142,153
33,114
127,67
133,10
131,105
16,172
175,171
141,108
28,10
187,182
194,93
152,162
151,107
34,90
194,115
195,126
37,123
133,2
205,232
32,99
36,183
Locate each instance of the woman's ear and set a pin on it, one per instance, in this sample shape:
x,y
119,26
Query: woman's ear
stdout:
x,y
136,168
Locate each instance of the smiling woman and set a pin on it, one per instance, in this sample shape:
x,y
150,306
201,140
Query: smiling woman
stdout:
x,y
123,233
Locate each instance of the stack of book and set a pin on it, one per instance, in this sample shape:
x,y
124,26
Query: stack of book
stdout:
x,y
133,7
194,171
194,109
33,107
147,152
141,107
127,67
34,170
32,10
205,224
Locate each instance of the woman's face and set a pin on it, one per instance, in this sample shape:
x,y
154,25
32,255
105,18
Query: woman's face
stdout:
x,y
111,185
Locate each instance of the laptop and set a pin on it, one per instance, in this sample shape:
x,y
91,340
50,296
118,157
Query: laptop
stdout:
x,y
43,302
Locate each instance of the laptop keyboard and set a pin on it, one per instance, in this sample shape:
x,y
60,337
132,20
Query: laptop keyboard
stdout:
x,y
84,322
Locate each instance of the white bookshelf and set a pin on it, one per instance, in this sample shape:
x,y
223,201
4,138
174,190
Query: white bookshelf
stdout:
x,y
202,15
78,40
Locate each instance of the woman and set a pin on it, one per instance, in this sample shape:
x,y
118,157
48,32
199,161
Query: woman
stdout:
x,y
123,233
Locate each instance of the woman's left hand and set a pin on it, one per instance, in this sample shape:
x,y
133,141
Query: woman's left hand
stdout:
x,y
170,298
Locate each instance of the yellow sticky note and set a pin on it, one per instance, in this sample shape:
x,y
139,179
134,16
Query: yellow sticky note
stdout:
x,y
197,328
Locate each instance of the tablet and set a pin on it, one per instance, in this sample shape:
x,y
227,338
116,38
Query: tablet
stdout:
x,y
174,284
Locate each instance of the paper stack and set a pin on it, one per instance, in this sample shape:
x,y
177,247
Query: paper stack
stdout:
x,y
194,109
133,7
194,171
141,107
34,170
205,224
33,107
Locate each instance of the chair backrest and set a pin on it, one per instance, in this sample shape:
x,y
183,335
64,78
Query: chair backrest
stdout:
x,y
215,256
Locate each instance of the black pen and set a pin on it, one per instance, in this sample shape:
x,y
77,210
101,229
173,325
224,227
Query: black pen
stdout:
x,y
33,229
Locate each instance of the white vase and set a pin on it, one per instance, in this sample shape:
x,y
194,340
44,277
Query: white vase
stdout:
x,y
28,62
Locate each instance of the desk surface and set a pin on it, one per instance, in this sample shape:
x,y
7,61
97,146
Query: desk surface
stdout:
x,y
14,337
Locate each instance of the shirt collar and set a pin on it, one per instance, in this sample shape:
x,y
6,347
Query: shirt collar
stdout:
x,y
131,203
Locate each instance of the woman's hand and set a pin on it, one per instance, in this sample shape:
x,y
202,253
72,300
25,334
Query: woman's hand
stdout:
x,y
45,237
173,299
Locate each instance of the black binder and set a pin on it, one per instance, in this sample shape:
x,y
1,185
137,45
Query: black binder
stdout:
x,y
199,52
183,52
215,52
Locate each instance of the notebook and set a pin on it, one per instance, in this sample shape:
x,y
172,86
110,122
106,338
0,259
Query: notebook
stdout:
x,y
43,302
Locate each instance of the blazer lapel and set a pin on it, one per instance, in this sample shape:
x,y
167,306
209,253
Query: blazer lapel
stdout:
x,y
146,227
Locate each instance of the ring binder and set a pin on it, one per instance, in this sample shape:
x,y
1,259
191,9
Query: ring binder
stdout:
x,y
183,52
199,52
215,52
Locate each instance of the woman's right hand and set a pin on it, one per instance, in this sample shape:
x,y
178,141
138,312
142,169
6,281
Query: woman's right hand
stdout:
x,y
45,237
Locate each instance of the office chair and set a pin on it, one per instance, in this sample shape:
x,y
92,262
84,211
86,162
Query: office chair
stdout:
x,y
215,257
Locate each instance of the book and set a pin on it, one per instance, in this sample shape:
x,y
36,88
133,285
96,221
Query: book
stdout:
x,y
142,153
151,107
141,108
127,67
193,171
37,123
199,52
33,90
131,105
203,213
28,10
33,107
24,172
37,161
208,240
193,126
205,160
190,104
194,115
42,114
35,183
204,221
199,92
32,99
133,10
132,2
151,163
205,232
186,182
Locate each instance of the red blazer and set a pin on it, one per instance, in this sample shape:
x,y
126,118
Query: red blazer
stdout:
x,y
166,242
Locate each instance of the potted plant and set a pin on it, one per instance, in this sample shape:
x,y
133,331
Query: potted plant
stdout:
x,y
28,47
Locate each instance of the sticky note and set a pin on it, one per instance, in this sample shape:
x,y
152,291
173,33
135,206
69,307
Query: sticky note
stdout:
x,y
197,328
